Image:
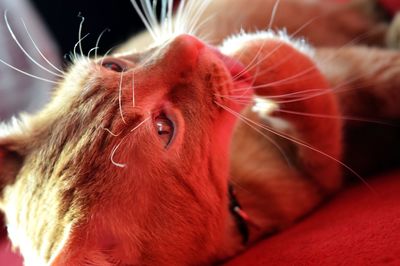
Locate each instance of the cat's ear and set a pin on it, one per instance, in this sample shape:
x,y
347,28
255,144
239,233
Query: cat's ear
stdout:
x,y
10,165
11,158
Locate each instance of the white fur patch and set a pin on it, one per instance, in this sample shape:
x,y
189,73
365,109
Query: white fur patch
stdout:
x,y
234,43
264,107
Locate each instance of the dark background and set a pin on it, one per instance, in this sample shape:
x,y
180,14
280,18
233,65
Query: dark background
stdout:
x,y
61,17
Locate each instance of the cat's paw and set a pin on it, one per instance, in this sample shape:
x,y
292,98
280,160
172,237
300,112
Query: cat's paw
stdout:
x,y
393,34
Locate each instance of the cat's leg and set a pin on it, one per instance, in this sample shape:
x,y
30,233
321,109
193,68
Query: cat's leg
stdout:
x,y
320,22
366,82
284,165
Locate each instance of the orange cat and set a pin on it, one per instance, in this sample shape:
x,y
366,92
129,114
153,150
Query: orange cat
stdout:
x,y
139,158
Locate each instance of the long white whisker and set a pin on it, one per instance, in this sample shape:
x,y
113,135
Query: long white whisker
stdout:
x,y
341,117
250,100
26,73
189,16
306,145
38,50
200,26
151,18
170,18
273,14
163,11
305,71
241,117
194,25
110,132
114,150
23,49
154,54
141,123
179,23
144,20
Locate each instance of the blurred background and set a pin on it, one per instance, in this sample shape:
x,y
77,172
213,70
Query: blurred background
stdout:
x,y
53,26
62,19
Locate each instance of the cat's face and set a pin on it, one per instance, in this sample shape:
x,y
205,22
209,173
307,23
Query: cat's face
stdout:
x,y
128,163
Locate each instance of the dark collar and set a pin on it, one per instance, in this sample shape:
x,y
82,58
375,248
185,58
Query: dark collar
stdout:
x,y
239,215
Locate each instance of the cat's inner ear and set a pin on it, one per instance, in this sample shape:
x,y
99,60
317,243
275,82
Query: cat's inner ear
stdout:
x,y
10,165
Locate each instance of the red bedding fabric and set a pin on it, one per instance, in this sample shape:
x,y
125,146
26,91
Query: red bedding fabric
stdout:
x,y
357,227
392,6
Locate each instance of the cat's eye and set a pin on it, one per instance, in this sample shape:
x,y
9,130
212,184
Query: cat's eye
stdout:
x,y
114,65
165,129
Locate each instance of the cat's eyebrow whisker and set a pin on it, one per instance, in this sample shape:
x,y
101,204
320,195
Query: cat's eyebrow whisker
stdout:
x,y
106,54
14,37
28,74
79,43
38,50
303,144
91,50
98,41
80,33
120,98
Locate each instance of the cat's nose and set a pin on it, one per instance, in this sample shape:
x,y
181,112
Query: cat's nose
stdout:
x,y
188,46
184,51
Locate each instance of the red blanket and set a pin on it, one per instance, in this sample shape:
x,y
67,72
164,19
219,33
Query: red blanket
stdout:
x,y
391,6
358,227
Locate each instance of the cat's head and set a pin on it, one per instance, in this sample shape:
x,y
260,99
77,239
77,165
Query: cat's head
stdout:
x,y
128,163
